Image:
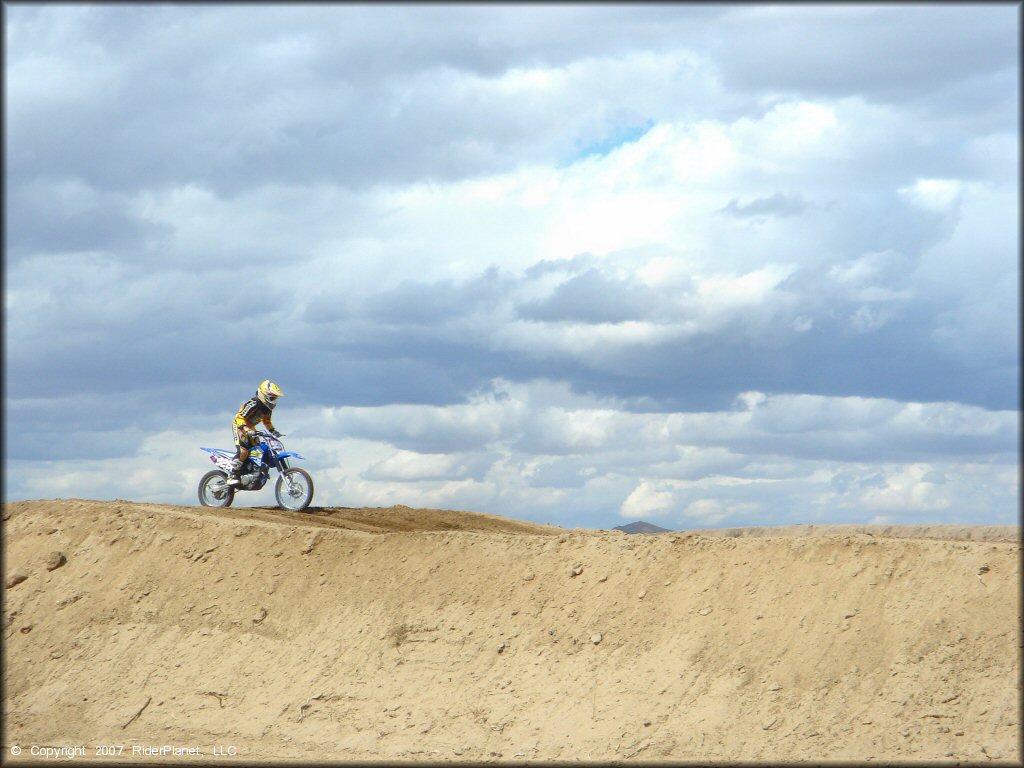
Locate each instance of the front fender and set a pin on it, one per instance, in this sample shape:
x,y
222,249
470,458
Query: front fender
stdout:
x,y
289,454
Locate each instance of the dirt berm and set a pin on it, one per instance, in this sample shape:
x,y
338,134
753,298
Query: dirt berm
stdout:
x,y
430,636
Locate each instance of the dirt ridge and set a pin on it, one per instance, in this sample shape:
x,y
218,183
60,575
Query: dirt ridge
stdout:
x,y
438,635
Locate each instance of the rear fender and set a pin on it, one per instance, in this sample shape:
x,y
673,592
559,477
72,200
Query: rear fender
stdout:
x,y
218,451
220,457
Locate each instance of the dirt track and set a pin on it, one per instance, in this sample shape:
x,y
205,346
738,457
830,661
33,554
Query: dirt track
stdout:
x,y
426,635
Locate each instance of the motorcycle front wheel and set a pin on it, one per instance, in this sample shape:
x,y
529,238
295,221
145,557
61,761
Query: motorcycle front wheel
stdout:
x,y
214,490
294,489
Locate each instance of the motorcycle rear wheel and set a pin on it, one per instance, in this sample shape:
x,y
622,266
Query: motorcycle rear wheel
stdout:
x,y
294,489
213,490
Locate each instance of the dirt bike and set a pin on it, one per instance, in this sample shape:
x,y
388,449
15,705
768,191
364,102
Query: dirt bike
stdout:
x,y
294,488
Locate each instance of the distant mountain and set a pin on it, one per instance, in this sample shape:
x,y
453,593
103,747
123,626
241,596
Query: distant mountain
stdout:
x,y
641,527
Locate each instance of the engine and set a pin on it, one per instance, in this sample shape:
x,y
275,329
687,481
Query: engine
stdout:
x,y
254,479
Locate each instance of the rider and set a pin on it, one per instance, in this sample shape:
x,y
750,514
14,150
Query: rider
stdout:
x,y
254,410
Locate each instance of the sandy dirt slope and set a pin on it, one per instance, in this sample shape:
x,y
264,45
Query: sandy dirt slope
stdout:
x,y
433,636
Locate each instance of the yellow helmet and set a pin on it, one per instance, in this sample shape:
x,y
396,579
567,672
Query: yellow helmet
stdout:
x,y
268,393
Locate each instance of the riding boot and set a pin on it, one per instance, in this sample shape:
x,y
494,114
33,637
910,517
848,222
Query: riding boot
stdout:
x,y
236,470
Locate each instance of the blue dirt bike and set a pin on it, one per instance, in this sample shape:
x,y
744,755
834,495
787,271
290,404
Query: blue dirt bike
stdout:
x,y
294,488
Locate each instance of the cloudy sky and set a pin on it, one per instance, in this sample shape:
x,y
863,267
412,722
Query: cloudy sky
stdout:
x,y
699,265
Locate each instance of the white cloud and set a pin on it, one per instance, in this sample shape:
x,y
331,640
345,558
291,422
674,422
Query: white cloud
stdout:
x,y
472,425
659,189
591,342
707,512
907,490
404,466
873,277
722,296
933,194
791,134
647,500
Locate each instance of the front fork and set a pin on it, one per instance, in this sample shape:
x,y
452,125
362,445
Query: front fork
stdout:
x,y
282,468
